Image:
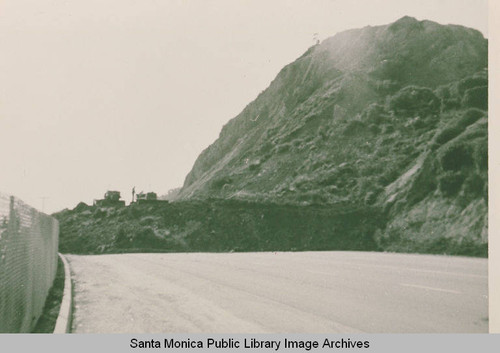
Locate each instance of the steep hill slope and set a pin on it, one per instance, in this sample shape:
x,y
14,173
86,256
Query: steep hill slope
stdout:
x,y
375,140
393,116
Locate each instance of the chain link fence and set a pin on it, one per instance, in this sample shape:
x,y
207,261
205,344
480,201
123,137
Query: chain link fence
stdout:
x,y
28,262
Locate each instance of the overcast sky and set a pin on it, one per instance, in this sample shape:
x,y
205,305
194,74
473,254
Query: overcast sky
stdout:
x,y
111,94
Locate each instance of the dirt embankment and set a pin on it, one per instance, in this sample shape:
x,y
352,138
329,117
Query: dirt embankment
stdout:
x,y
217,226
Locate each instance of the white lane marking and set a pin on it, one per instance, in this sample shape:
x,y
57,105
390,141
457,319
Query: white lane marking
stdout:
x,y
320,272
430,288
404,268
440,272
413,269
261,264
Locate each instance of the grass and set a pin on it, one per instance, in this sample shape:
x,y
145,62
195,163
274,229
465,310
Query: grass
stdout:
x,y
47,320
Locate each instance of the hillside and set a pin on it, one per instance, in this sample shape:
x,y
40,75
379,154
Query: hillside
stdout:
x,y
216,225
375,139
392,116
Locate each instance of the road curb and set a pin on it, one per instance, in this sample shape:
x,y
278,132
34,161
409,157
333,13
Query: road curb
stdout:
x,y
63,323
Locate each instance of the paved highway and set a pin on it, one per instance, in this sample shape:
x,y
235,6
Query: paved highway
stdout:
x,y
311,292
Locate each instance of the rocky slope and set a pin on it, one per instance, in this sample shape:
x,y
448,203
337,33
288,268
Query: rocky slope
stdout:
x,y
375,139
391,116
216,225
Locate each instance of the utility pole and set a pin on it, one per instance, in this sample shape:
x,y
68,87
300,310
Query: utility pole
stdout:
x,y
316,38
43,202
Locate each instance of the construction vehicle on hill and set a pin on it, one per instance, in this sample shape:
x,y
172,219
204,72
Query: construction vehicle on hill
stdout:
x,y
111,199
147,197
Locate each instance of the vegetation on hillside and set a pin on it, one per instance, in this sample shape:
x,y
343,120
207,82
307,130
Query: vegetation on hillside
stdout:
x,y
391,119
390,116
216,225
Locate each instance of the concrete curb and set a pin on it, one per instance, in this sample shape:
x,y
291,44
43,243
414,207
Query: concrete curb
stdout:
x,y
63,323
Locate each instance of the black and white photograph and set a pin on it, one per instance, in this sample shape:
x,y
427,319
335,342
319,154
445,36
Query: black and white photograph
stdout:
x,y
245,167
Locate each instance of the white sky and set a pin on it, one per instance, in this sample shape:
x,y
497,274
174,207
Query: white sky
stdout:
x,y
108,94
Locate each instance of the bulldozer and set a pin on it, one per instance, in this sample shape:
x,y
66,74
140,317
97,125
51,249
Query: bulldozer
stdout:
x,y
111,199
147,197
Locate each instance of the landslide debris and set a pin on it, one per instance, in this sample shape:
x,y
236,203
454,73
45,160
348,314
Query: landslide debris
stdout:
x,y
387,125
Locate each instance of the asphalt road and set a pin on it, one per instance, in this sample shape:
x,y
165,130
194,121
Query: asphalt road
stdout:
x,y
310,292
